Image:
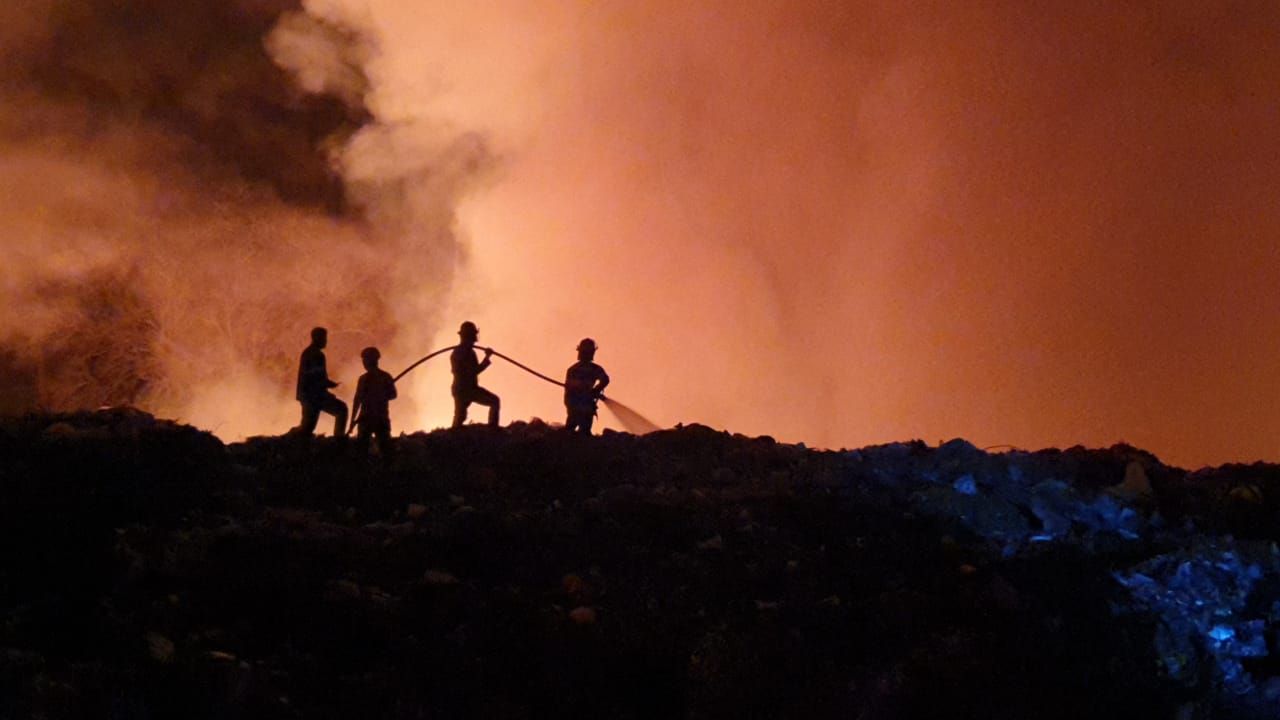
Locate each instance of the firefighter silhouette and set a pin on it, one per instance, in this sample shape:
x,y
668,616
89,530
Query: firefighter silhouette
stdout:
x,y
583,384
466,377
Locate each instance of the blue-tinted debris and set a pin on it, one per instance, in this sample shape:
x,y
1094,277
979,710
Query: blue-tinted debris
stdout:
x,y
1250,639
1051,503
1234,678
1201,597
999,500
986,515
1222,633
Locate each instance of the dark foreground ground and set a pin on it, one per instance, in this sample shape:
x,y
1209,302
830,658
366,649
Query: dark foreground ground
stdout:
x,y
147,571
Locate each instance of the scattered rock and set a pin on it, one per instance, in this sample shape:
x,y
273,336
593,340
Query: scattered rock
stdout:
x,y
160,648
715,542
439,577
583,615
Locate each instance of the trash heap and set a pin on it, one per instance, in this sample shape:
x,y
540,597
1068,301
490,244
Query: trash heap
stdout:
x,y
1214,600
146,569
1018,498
1212,617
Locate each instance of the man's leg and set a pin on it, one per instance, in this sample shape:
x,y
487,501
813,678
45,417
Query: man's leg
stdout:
x,y
582,418
363,431
460,403
384,440
338,410
573,423
488,399
310,415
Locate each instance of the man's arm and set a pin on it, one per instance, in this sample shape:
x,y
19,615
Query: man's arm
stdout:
x,y
358,402
328,380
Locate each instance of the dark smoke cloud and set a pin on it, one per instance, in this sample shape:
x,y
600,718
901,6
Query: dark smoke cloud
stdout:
x,y
180,216
199,70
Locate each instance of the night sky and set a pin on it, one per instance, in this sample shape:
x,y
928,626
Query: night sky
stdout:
x,y
1021,223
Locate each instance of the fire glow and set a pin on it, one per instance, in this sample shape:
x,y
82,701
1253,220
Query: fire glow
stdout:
x,y
827,222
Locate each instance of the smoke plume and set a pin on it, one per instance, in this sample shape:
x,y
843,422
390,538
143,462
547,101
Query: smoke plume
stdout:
x,y
192,186
842,223
848,223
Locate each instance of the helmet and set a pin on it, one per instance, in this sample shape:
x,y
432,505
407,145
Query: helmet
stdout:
x,y
468,328
587,344
370,353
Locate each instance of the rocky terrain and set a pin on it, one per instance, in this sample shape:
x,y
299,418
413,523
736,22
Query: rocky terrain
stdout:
x,y
149,571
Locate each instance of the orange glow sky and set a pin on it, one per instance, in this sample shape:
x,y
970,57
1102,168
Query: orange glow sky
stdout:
x,y
1025,223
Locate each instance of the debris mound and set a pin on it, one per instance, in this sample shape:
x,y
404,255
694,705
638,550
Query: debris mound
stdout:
x,y
148,570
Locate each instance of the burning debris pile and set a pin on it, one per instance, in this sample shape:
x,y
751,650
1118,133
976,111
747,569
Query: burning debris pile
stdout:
x,y
149,570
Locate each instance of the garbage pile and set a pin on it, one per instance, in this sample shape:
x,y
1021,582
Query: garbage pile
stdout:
x,y
148,570
1214,600
1216,606
1017,497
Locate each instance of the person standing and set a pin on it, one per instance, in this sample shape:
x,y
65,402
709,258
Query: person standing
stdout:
x,y
583,385
466,377
314,386
371,407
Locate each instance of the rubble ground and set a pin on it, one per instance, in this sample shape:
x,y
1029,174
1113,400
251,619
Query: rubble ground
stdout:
x,y
147,570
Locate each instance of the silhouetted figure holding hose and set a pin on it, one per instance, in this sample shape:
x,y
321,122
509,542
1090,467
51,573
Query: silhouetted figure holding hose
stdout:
x,y
583,385
313,388
466,377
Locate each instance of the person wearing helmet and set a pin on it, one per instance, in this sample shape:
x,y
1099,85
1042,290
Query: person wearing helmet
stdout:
x,y
583,385
466,377
314,386
374,392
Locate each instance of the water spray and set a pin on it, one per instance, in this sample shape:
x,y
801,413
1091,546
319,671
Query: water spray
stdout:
x,y
633,421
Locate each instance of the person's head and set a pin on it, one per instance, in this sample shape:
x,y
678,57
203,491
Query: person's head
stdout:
x,y
468,332
369,356
587,349
319,337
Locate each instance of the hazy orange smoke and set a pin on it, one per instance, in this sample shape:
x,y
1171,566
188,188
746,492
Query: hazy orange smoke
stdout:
x,y
835,222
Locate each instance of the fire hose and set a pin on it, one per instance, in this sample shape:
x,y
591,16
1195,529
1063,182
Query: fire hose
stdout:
x,y
421,360
634,421
491,351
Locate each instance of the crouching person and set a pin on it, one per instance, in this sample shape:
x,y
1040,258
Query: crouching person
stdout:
x,y
371,407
